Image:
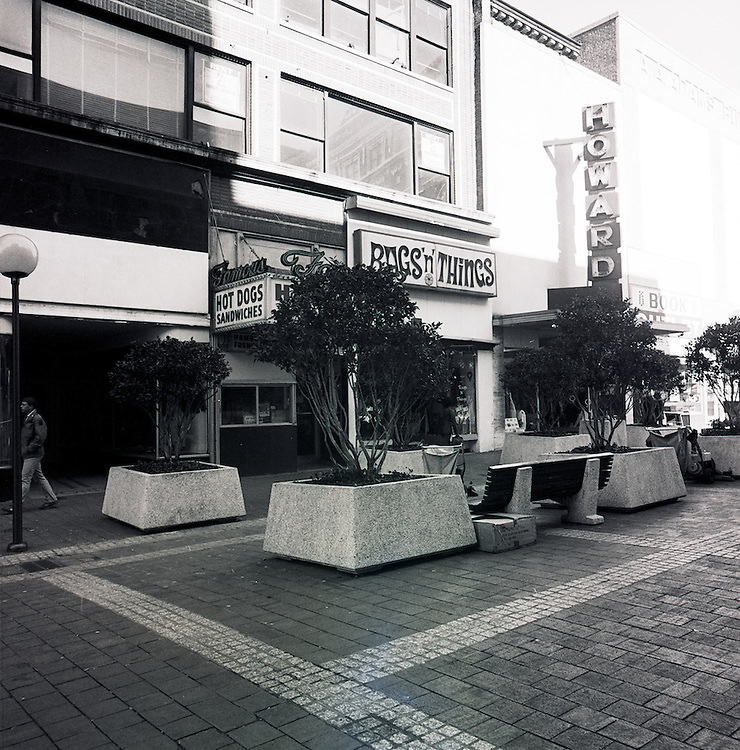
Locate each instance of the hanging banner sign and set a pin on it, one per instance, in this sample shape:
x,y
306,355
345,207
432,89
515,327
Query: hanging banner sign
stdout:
x,y
248,301
432,265
602,199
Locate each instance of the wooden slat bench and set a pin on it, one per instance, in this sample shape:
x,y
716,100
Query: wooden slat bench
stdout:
x,y
572,480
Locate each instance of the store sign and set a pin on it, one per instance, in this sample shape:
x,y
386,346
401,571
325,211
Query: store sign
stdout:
x,y
658,304
429,264
602,200
248,300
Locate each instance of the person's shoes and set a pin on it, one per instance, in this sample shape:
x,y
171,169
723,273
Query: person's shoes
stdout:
x,y
49,504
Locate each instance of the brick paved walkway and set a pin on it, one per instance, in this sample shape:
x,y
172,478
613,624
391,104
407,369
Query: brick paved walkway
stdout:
x,y
625,635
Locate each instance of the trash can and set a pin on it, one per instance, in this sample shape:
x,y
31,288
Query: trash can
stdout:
x,y
440,459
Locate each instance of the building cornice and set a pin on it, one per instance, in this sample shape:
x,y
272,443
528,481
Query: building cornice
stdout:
x,y
534,29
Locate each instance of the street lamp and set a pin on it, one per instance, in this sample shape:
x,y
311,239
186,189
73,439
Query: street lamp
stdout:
x,y
18,259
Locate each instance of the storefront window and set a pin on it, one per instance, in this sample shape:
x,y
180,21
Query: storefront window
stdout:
x,y
257,405
462,366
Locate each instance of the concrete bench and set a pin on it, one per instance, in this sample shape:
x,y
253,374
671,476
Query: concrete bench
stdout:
x,y
571,480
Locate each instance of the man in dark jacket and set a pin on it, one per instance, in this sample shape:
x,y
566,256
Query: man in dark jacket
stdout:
x,y
33,437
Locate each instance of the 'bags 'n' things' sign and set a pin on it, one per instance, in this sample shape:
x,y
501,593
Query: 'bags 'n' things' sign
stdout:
x,y
422,263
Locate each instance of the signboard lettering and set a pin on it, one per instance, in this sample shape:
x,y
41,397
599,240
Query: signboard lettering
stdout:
x,y
429,264
602,200
243,303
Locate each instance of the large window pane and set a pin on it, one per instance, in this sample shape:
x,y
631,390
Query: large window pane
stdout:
x,y
435,186
301,110
431,21
369,147
392,45
275,404
239,405
220,84
306,13
218,129
15,76
348,26
15,26
434,149
302,152
395,12
96,69
430,61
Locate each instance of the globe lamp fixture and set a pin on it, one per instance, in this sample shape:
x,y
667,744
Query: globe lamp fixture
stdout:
x,y
18,256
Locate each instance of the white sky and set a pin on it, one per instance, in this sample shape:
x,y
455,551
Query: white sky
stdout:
x,y
703,32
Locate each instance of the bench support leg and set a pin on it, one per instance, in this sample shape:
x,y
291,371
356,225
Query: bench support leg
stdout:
x,y
582,506
521,503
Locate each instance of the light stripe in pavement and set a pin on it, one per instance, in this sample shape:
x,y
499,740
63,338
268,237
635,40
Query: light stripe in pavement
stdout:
x,y
337,691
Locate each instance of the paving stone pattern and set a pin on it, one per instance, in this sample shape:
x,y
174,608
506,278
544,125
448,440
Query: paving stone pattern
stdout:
x,y
625,636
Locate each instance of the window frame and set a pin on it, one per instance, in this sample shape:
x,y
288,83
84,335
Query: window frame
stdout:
x,y
257,386
413,32
189,50
417,128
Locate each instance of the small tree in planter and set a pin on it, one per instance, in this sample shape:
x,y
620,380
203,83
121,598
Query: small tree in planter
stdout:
x,y
714,358
607,354
356,324
171,380
532,378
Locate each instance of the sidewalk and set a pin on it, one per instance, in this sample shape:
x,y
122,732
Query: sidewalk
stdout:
x,y
625,635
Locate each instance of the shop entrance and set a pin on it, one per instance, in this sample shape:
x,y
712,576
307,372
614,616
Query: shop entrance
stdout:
x,y
65,365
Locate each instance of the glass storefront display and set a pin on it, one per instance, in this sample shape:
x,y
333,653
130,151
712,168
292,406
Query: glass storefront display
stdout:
x,y
462,366
257,405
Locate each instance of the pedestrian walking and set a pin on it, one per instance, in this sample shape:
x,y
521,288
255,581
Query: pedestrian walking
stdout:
x,y
33,437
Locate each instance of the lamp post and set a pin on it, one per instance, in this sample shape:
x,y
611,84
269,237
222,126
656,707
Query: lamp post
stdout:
x,y
18,258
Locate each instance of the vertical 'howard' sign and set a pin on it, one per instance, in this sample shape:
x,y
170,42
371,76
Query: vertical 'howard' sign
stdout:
x,y
602,201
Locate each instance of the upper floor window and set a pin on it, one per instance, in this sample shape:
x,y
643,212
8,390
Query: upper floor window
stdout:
x,y
413,34
220,102
96,69
324,133
110,73
16,59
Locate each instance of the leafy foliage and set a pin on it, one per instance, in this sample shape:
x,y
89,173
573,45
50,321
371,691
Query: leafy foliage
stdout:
x,y
714,358
356,324
601,356
607,354
533,378
171,380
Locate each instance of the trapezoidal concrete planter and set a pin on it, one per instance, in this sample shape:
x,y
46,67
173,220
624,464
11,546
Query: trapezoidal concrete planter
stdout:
x,y
642,478
151,502
725,450
521,447
360,529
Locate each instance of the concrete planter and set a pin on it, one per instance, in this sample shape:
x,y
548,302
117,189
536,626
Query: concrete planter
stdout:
x,y
359,529
162,501
636,436
725,450
520,447
642,478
